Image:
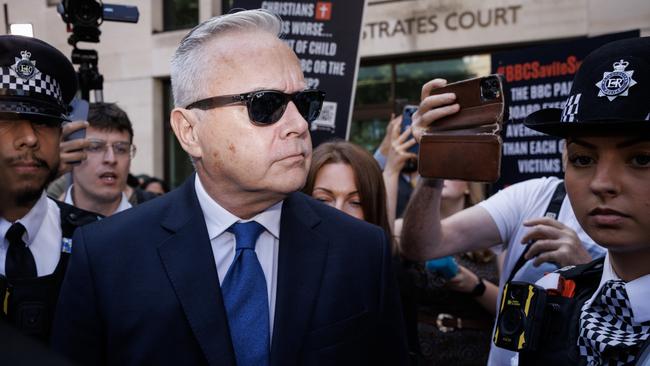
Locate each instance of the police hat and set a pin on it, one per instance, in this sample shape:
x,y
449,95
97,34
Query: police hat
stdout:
x,y
610,94
37,82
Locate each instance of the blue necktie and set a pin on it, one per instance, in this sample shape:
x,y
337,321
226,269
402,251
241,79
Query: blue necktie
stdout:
x,y
246,299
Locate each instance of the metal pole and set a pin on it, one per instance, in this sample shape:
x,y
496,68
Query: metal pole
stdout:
x,y
6,11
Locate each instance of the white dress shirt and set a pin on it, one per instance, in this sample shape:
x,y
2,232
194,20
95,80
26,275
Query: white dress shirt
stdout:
x,y
42,235
124,203
218,220
638,292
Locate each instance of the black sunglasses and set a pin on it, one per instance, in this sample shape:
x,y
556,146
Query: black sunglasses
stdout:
x,y
266,107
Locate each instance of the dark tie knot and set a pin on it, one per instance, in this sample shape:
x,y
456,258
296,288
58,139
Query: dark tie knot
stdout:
x,y
15,233
246,234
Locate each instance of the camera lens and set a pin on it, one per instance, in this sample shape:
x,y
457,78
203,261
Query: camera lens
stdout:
x,y
86,13
511,321
490,88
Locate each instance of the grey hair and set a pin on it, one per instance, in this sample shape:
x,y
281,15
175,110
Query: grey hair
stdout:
x,y
188,62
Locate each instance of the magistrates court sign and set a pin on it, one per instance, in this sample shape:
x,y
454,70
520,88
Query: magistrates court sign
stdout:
x,y
407,26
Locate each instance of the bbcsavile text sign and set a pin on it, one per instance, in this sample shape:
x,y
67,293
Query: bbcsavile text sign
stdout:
x,y
536,78
325,36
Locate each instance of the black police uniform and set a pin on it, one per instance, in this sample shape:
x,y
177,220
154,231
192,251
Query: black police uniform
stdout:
x,y
29,303
610,94
37,83
560,336
559,339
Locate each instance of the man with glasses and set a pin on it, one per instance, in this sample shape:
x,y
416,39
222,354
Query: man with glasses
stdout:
x,y
36,85
234,267
98,182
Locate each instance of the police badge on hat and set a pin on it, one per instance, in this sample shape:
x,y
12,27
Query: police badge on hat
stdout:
x,y
24,67
616,83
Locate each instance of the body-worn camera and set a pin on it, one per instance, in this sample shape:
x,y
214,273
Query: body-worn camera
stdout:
x,y
519,325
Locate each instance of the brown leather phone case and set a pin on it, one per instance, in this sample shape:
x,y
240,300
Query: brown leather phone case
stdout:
x,y
466,145
466,157
480,100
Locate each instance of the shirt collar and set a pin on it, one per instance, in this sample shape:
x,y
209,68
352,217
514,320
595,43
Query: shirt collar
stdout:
x,y
32,221
638,291
124,202
68,196
218,219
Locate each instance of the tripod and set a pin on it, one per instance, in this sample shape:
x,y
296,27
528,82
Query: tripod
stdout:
x,y
88,74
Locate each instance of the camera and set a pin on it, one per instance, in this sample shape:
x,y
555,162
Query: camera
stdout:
x,y
85,17
520,320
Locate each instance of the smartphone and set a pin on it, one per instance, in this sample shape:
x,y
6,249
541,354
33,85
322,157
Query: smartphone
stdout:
x,y
481,103
407,119
445,266
79,112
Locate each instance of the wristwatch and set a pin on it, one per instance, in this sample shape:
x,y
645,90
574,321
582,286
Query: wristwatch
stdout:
x,y
479,289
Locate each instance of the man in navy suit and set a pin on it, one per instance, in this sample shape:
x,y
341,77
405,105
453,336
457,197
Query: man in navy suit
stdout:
x,y
234,267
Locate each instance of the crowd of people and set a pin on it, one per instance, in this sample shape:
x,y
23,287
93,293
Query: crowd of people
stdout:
x,y
274,254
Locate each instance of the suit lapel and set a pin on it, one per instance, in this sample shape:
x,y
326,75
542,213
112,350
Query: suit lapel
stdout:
x,y
188,259
302,257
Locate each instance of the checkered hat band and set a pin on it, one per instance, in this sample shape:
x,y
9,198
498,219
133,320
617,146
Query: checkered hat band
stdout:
x,y
570,110
608,333
29,108
39,83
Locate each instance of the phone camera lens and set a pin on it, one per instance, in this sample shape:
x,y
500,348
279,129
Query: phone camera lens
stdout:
x,y
490,89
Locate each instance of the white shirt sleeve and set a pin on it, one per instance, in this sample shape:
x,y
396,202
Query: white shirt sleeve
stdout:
x,y
514,204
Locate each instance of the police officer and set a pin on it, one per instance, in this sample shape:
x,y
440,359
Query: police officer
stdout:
x,y
598,313
37,83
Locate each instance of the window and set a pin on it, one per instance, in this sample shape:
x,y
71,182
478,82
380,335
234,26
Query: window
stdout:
x,y
226,5
180,14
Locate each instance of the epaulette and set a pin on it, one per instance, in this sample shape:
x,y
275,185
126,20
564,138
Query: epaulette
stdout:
x,y
73,217
570,279
594,267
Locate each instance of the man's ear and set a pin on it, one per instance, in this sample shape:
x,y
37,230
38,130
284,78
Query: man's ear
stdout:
x,y
184,124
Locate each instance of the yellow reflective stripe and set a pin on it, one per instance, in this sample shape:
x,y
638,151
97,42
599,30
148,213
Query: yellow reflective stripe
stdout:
x,y
526,310
530,296
5,305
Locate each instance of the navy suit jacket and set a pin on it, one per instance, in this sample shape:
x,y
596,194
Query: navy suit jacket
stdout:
x,y
142,289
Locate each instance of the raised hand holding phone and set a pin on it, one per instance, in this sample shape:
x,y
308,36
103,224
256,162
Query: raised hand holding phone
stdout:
x,y
401,145
458,128
407,119
73,137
